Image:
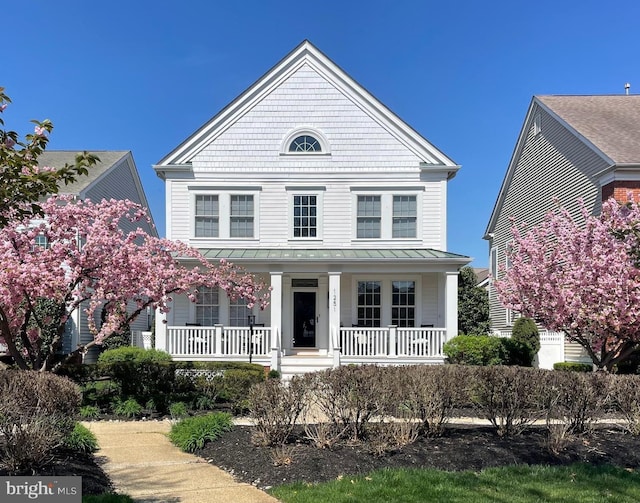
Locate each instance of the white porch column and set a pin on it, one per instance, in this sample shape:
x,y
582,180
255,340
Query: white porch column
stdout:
x,y
451,304
161,323
334,312
275,305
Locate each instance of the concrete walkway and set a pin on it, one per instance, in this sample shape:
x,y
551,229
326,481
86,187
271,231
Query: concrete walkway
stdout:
x,y
142,463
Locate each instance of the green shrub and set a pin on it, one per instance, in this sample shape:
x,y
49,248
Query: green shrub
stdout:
x,y
273,374
573,366
37,411
476,350
193,433
526,332
178,410
81,439
129,408
89,412
133,354
236,386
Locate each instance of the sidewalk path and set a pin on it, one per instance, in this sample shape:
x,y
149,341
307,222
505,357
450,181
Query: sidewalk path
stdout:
x,y
142,463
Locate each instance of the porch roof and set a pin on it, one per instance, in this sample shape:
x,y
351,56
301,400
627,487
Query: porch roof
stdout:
x,y
334,254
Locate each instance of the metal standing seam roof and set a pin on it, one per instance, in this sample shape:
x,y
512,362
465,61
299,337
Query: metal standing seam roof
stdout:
x,y
291,254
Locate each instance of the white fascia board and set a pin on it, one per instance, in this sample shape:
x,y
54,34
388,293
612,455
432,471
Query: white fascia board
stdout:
x,y
506,181
625,173
163,170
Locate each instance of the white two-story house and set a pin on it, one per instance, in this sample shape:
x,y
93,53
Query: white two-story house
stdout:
x,y
312,184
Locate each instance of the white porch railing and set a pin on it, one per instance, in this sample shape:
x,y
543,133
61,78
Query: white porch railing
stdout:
x,y
392,341
218,341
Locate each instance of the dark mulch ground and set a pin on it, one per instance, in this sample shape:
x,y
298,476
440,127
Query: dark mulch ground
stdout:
x,y
461,448
68,463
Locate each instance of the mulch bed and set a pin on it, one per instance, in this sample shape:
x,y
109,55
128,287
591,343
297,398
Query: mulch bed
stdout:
x,y
463,447
69,463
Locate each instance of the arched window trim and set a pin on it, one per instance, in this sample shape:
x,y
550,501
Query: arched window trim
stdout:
x,y
305,131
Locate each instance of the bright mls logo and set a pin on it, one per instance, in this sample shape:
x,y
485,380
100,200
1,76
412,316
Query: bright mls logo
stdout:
x,y
49,489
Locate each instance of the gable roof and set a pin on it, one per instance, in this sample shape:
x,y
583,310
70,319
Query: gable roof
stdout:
x,y
307,53
610,123
109,161
607,124
58,158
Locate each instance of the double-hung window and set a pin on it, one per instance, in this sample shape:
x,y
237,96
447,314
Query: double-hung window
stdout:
x,y
369,217
238,312
207,306
386,215
207,216
241,218
404,217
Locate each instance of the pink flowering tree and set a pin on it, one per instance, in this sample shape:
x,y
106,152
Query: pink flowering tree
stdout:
x,y
581,277
22,182
78,257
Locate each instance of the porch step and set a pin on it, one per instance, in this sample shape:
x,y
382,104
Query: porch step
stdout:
x,y
303,363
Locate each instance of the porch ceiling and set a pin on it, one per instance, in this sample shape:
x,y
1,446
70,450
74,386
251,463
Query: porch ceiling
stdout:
x,y
334,255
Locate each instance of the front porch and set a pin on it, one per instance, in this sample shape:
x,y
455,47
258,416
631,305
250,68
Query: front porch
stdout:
x,y
389,345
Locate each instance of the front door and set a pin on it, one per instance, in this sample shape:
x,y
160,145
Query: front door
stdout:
x,y
304,319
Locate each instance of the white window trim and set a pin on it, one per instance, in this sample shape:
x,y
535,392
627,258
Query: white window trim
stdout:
x,y
386,216
224,213
493,262
301,191
309,131
386,296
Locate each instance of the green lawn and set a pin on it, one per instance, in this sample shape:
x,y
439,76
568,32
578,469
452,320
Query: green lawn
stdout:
x,y
568,484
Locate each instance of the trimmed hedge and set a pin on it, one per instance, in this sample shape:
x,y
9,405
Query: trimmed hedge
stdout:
x,y
486,350
573,366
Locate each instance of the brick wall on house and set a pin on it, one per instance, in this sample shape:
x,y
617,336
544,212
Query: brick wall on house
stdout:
x,y
621,189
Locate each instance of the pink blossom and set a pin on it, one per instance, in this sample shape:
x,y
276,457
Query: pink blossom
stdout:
x,y
113,270
580,276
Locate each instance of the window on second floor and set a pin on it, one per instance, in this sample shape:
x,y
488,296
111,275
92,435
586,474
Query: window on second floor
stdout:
x,y
207,224
386,216
225,215
241,219
404,217
369,217
305,216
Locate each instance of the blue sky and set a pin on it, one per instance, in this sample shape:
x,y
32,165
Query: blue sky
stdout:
x,y
143,75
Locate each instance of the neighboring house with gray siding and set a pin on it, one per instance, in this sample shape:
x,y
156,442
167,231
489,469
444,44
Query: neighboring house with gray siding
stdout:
x,y
114,177
569,147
